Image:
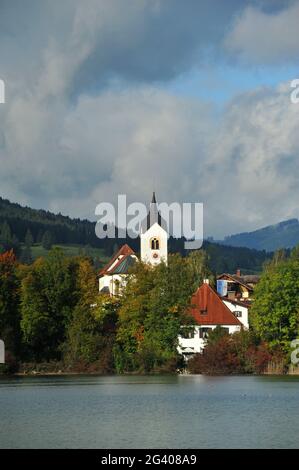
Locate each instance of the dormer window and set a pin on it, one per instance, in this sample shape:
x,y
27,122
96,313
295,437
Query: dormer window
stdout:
x,y
155,244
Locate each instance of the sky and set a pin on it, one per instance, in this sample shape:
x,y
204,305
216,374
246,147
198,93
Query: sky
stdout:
x,y
188,98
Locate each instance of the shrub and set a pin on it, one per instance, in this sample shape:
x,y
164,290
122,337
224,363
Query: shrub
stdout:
x,y
233,354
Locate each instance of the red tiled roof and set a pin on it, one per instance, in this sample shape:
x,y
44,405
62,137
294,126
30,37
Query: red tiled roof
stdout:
x,y
215,312
124,251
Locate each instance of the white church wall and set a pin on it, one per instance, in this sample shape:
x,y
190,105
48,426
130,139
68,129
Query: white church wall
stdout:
x,y
114,283
147,254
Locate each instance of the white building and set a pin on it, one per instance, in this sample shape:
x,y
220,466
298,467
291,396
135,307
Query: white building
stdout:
x,y
209,311
239,309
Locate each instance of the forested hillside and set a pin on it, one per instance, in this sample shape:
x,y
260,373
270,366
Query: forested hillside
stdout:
x,y
273,237
31,232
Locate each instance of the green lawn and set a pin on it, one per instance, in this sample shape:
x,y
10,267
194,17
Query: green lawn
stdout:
x,y
72,250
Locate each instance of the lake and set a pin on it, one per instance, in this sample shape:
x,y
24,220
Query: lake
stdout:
x,y
149,412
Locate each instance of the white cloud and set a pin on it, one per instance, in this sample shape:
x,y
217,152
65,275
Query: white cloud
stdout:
x,y
243,167
68,153
263,38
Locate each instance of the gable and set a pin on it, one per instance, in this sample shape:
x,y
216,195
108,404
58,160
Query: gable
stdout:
x,y
123,252
207,308
155,230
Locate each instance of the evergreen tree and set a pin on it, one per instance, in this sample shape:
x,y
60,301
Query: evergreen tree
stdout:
x,y
28,239
5,234
26,255
39,236
8,240
47,240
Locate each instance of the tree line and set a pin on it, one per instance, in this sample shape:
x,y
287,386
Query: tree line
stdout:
x,y
52,313
21,227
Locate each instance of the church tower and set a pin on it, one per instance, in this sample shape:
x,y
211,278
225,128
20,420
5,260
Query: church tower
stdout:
x,y
153,236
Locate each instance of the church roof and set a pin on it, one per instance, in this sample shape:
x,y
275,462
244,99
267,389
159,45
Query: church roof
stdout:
x,y
124,252
124,265
207,308
153,216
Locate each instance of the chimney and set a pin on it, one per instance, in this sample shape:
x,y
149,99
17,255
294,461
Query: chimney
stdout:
x,y
206,281
238,273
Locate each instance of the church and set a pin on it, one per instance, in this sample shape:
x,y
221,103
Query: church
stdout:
x,y
153,249
208,307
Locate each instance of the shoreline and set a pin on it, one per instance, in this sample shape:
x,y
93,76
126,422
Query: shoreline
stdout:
x,y
98,374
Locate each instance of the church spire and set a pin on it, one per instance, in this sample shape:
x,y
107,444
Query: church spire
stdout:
x,y
153,236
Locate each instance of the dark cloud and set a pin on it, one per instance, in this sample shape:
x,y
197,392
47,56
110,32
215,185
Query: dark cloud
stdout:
x,y
122,132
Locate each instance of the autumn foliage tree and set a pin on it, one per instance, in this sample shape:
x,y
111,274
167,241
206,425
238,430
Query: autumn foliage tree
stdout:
x,y
224,354
9,303
91,332
152,311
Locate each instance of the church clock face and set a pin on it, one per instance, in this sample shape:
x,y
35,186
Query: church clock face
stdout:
x,y
155,255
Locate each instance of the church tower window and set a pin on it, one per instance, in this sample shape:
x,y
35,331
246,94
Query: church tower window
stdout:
x,y
155,243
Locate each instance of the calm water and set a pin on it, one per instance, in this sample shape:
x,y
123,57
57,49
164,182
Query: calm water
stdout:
x,y
149,412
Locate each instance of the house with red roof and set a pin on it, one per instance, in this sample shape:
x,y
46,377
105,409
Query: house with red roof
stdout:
x,y
209,310
113,276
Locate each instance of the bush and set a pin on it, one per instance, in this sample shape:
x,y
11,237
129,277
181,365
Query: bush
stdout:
x,y
233,354
10,366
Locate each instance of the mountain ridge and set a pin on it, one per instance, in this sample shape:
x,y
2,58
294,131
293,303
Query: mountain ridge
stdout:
x,y
284,234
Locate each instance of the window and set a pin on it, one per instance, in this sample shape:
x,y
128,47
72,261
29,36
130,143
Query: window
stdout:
x,y
204,332
204,312
187,333
238,313
155,243
116,287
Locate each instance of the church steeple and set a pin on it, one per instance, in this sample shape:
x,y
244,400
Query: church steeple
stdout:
x,y
153,215
153,236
